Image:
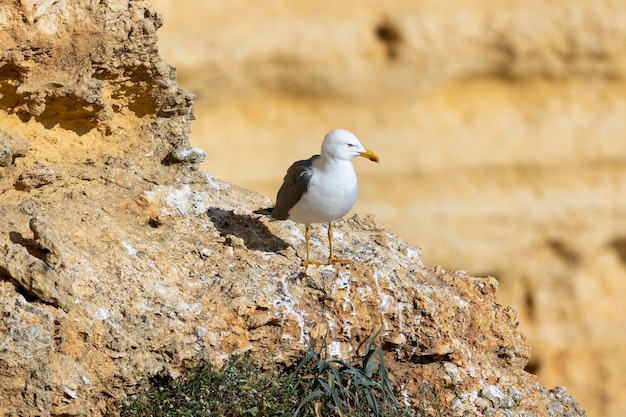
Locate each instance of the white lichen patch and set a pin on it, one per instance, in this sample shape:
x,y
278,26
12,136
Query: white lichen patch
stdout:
x,y
132,251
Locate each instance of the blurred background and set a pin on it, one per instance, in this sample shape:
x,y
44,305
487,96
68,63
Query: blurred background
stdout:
x,y
501,127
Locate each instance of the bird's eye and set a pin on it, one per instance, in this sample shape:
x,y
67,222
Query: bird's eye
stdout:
x,y
350,145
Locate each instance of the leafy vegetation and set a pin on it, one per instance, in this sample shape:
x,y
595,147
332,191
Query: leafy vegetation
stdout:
x,y
318,386
238,389
334,387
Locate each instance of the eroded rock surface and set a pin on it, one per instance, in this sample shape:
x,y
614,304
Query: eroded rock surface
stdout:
x,y
155,264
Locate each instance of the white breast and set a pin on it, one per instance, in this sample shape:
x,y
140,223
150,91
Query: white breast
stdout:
x,y
331,193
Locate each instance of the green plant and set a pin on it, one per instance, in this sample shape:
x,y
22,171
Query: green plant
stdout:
x,y
238,389
334,386
318,386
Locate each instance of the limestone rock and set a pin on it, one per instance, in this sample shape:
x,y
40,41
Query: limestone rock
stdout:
x,y
38,176
139,264
192,157
35,277
47,240
6,155
11,147
61,65
18,145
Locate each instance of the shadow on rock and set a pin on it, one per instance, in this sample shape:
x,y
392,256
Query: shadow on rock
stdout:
x,y
255,234
30,244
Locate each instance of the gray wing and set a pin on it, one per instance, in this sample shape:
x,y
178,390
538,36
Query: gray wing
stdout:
x,y
295,183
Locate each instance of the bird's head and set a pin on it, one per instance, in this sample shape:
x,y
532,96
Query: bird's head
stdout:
x,y
343,145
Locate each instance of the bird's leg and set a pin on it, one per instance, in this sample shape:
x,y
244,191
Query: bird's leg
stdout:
x,y
307,238
331,257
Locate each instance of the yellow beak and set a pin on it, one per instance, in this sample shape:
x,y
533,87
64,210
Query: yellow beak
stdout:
x,y
370,155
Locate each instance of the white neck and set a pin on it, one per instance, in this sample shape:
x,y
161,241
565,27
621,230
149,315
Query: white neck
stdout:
x,y
326,163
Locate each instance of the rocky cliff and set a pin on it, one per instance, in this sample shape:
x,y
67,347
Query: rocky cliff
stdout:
x,y
501,129
119,260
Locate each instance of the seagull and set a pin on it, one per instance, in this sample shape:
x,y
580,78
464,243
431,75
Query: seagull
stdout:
x,y
323,188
